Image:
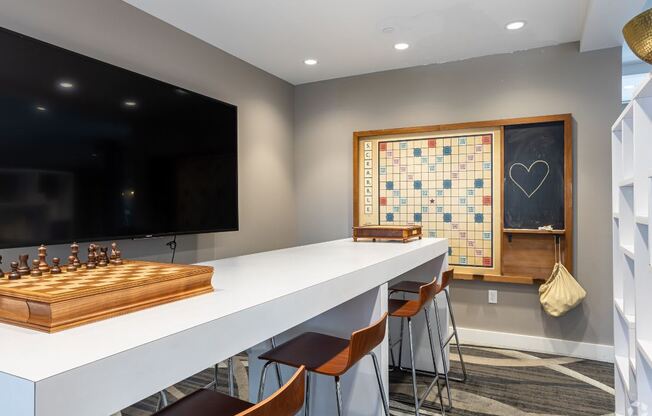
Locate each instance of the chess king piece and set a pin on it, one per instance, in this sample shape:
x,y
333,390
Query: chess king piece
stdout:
x,y
42,263
103,257
14,275
55,266
35,270
74,251
71,264
92,256
23,268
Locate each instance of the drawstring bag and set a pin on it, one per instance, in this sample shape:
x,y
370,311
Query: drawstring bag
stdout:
x,y
561,292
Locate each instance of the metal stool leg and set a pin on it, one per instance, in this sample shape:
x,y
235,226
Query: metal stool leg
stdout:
x,y
261,386
229,364
380,383
434,363
338,396
414,374
277,367
457,340
306,406
442,349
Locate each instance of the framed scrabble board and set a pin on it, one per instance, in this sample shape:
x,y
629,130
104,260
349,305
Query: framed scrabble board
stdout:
x,y
452,181
54,302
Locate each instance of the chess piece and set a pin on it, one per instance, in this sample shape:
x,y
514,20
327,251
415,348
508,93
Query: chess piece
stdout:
x,y
35,270
71,264
92,257
42,263
103,257
114,255
14,275
23,268
55,266
118,257
2,274
74,251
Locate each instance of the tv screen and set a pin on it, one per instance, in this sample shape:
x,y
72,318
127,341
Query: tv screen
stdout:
x,y
91,151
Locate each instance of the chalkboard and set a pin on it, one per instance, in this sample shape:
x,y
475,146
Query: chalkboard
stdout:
x,y
534,176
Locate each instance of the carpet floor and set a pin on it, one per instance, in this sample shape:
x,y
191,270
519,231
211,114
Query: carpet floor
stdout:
x,y
500,383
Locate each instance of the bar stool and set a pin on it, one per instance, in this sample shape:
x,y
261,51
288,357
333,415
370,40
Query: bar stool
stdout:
x,y
287,401
407,286
330,356
408,309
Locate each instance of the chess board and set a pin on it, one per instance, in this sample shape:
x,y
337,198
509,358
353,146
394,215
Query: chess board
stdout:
x,y
444,182
53,302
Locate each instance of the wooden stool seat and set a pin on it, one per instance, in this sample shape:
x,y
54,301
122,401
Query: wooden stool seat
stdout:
x,y
319,353
407,286
206,402
403,308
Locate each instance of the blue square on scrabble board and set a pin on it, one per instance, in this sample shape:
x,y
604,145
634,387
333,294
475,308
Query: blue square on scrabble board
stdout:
x,y
447,184
478,183
447,150
417,184
450,251
462,141
462,259
416,152
389,185
417,217
479,218
448,217
389,217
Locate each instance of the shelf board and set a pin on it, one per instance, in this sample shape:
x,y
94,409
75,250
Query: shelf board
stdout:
x,y
622,365
642,219
532,231
629,319
645,348
626,182
627,113
628,250
521,280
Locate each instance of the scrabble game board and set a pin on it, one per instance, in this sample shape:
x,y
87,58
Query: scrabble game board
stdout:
x,y
58,301
444,183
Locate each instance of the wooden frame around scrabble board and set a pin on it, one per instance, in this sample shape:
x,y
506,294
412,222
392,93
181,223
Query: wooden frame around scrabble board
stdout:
x,y
52,303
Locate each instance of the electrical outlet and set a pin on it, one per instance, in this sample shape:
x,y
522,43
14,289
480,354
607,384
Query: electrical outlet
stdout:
x,y
493,296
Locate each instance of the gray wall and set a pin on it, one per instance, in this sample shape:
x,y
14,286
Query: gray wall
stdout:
x,y
537,82
113,31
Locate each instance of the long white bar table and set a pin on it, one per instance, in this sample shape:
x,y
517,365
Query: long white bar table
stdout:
x,y
100,368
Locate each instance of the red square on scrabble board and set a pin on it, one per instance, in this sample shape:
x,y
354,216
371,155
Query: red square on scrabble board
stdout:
x,y
486,200
382,146
486,261
432,143
486,139
383,201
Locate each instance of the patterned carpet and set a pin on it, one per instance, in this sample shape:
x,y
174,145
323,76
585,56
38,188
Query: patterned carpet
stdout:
x,y
501,383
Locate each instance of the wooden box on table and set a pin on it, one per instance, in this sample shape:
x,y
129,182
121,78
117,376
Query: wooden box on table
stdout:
x,y
378,232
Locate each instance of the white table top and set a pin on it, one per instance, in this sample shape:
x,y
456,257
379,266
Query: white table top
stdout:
x,y
240,283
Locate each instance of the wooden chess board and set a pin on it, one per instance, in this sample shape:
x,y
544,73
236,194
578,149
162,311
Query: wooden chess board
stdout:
x,y
402,233
53,302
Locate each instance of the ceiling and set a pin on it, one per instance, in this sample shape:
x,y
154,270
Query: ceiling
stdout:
x,y
352,37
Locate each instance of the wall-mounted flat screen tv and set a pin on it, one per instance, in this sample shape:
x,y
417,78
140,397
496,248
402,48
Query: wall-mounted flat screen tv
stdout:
x,y
90,151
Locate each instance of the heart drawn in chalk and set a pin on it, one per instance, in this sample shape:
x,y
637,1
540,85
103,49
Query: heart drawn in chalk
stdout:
x,y
526,175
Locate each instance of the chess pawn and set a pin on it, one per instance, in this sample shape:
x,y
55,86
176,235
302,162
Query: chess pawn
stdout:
x,y
42,263
74,251
23,268
92,257
14,275
55,266
103,257
113,257
35,270
71,264
118,257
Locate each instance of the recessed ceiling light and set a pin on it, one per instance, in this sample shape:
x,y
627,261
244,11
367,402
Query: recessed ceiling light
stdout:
x,y
41,108
66,84
401,46
130,103
310,61
515,25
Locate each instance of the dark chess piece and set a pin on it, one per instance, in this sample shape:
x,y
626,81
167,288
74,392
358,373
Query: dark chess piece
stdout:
x,y
23,268
92,256
2,274
42,263
14,275
71,264
103,257
55,266
35,270
74,251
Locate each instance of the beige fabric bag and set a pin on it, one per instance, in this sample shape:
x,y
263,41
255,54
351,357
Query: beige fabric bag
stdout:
x,y
561,292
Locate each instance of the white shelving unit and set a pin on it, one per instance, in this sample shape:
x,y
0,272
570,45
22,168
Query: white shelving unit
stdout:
x,y
632,273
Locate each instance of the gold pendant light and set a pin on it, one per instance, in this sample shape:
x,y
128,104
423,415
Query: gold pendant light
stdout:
x,y
638,35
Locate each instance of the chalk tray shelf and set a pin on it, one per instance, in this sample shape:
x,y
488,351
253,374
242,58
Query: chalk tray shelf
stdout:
x,y
532,231
493,278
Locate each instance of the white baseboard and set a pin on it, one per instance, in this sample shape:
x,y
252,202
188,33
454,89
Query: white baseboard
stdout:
x,y
598,352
